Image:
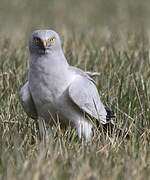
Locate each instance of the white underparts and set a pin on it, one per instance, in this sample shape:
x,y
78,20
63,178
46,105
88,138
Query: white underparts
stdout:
x,y
84,129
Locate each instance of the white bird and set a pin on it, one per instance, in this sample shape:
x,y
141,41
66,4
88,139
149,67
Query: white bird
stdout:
x,y
56,88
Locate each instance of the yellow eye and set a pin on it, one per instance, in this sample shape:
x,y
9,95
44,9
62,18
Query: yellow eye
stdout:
x,y
36,40
52,40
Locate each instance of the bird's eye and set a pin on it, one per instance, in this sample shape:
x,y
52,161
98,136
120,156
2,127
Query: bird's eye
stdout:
x,y
52,40
36,40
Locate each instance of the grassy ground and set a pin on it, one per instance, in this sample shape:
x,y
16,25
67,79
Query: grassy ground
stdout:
x,y
121,57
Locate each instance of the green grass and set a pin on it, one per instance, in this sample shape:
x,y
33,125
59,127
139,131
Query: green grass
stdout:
x,y
123,86
122,58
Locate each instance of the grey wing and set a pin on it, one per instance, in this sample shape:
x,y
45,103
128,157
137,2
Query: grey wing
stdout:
x,y
92,74
86,74
84,94
27,101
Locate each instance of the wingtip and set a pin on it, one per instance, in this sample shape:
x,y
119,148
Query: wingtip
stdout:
x,y
110,114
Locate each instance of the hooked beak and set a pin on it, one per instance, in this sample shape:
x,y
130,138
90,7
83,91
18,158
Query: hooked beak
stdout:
x,y
44,43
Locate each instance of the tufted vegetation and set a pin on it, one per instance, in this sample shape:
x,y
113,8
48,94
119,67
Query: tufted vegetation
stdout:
x,y
113,44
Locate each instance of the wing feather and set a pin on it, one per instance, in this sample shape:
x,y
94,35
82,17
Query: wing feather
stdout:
x,y
84,94
27,101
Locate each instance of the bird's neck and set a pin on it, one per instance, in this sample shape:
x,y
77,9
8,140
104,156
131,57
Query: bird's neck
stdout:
x,y
48,62
51,72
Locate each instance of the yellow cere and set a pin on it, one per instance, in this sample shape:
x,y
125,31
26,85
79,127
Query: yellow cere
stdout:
x,y
36,40
44,43
52,40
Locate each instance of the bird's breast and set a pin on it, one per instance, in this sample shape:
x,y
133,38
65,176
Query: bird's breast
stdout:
x,y
47,86
48,79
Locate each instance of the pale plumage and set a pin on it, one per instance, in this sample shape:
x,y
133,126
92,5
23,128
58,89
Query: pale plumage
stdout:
x,y
54,87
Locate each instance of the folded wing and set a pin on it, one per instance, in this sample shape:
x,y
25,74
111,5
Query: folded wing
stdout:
x,y
27,101
84,94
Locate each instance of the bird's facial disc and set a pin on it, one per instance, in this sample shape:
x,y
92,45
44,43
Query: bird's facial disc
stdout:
x,y
44,41
44,44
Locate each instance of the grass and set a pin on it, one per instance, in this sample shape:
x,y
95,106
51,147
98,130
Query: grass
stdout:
x,y
121,57
123,86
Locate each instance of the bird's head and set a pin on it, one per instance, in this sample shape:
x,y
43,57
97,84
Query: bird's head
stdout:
x,y
44,42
